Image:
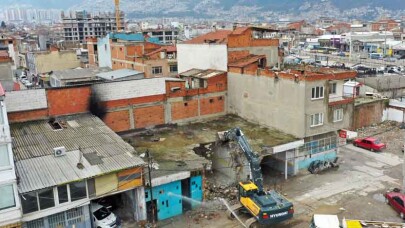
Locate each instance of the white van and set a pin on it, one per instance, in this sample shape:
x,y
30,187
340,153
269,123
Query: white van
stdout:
x,y
103,217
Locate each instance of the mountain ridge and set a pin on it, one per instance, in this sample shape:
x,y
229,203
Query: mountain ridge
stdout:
x,y
221,8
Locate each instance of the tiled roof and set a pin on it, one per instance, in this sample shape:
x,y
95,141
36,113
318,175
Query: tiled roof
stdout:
x,y
37,167
218,37
164,48
134,37
246,60
239,30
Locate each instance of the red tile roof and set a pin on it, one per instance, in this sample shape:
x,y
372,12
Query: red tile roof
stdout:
x,y
165,48
246,60
218,37
239,30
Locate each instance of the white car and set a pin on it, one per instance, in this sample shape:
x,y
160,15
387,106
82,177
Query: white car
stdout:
x,y
103,217
28,84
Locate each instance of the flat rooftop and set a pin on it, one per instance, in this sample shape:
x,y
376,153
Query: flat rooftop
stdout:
x,y
177,143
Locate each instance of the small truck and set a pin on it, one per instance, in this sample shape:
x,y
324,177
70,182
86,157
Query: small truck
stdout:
x,y
332,221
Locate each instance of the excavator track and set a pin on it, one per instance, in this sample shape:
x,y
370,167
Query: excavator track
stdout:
x,y
252,223
233,209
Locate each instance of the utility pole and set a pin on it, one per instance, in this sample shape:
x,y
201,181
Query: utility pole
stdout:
x,y
150,166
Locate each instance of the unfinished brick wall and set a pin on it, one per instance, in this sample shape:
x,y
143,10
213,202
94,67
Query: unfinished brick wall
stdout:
x,y
27,115
368,114
118,120
246,40
184,109
68,100
212,105
149,116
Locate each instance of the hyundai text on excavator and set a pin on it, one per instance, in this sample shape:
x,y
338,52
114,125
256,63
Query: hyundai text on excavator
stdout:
x,y
266,207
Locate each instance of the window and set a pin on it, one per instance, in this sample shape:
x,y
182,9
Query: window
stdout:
x,y
63,194
4,156
29,202
317,92
78,190
316,119
332,88
7,196
173,68
157,70
46,199
398,200
337,115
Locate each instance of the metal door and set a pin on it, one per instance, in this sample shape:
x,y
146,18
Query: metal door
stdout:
x,y
196,191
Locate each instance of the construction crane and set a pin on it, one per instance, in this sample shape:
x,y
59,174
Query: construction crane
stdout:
x,y
117,14
266,207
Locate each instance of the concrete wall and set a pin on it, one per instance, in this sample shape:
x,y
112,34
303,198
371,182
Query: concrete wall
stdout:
x,y
393,114
268,101
56,60
104,52
202,56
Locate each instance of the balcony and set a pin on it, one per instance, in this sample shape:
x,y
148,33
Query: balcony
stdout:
x,y
340,99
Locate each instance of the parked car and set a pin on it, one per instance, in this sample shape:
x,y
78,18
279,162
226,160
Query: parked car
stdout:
x,y
28,84
396,200
103,217
369,143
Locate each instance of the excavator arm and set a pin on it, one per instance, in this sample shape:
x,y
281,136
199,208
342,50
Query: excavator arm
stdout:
x,y
237,135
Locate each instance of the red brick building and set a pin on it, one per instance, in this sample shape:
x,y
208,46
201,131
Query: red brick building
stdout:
x,y
129,105
384,24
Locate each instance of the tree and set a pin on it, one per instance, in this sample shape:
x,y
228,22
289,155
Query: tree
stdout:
x,y
3,25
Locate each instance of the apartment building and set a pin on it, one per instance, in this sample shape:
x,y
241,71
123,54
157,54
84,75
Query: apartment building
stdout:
x,y
134,51
214,49
39,62
165,36
10,207
80,25
307,103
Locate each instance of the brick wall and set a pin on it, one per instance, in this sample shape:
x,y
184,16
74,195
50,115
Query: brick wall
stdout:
x,y
68,100
184,109
136,104
368,114
246,40
118,120
212,105
23,116
149,116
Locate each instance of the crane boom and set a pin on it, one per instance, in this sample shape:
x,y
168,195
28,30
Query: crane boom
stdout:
x,y
118,15
237,135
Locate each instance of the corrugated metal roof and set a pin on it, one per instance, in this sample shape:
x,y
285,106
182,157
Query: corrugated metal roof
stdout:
x,y
79,73
117,74
38,168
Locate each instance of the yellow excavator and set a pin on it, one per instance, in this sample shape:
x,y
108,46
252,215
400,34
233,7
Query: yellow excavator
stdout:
x,y
266,207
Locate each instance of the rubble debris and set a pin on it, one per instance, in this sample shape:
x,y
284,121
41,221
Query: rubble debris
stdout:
x,y
213,192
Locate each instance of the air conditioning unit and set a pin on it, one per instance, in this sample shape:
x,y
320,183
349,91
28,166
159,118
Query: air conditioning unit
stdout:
x,y
59,151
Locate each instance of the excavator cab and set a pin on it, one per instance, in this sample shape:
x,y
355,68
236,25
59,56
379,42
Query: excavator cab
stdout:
x,y
247,189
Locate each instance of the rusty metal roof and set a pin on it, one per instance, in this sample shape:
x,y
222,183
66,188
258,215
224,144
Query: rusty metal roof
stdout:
x,y
38,167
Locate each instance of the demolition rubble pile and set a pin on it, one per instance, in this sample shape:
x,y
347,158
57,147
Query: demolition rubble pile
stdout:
x,y
213,192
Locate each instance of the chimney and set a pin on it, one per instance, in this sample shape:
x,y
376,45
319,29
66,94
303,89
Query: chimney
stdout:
x,y
234,26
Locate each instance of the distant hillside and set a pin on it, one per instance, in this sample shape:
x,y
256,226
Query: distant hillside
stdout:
x,y
227,9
